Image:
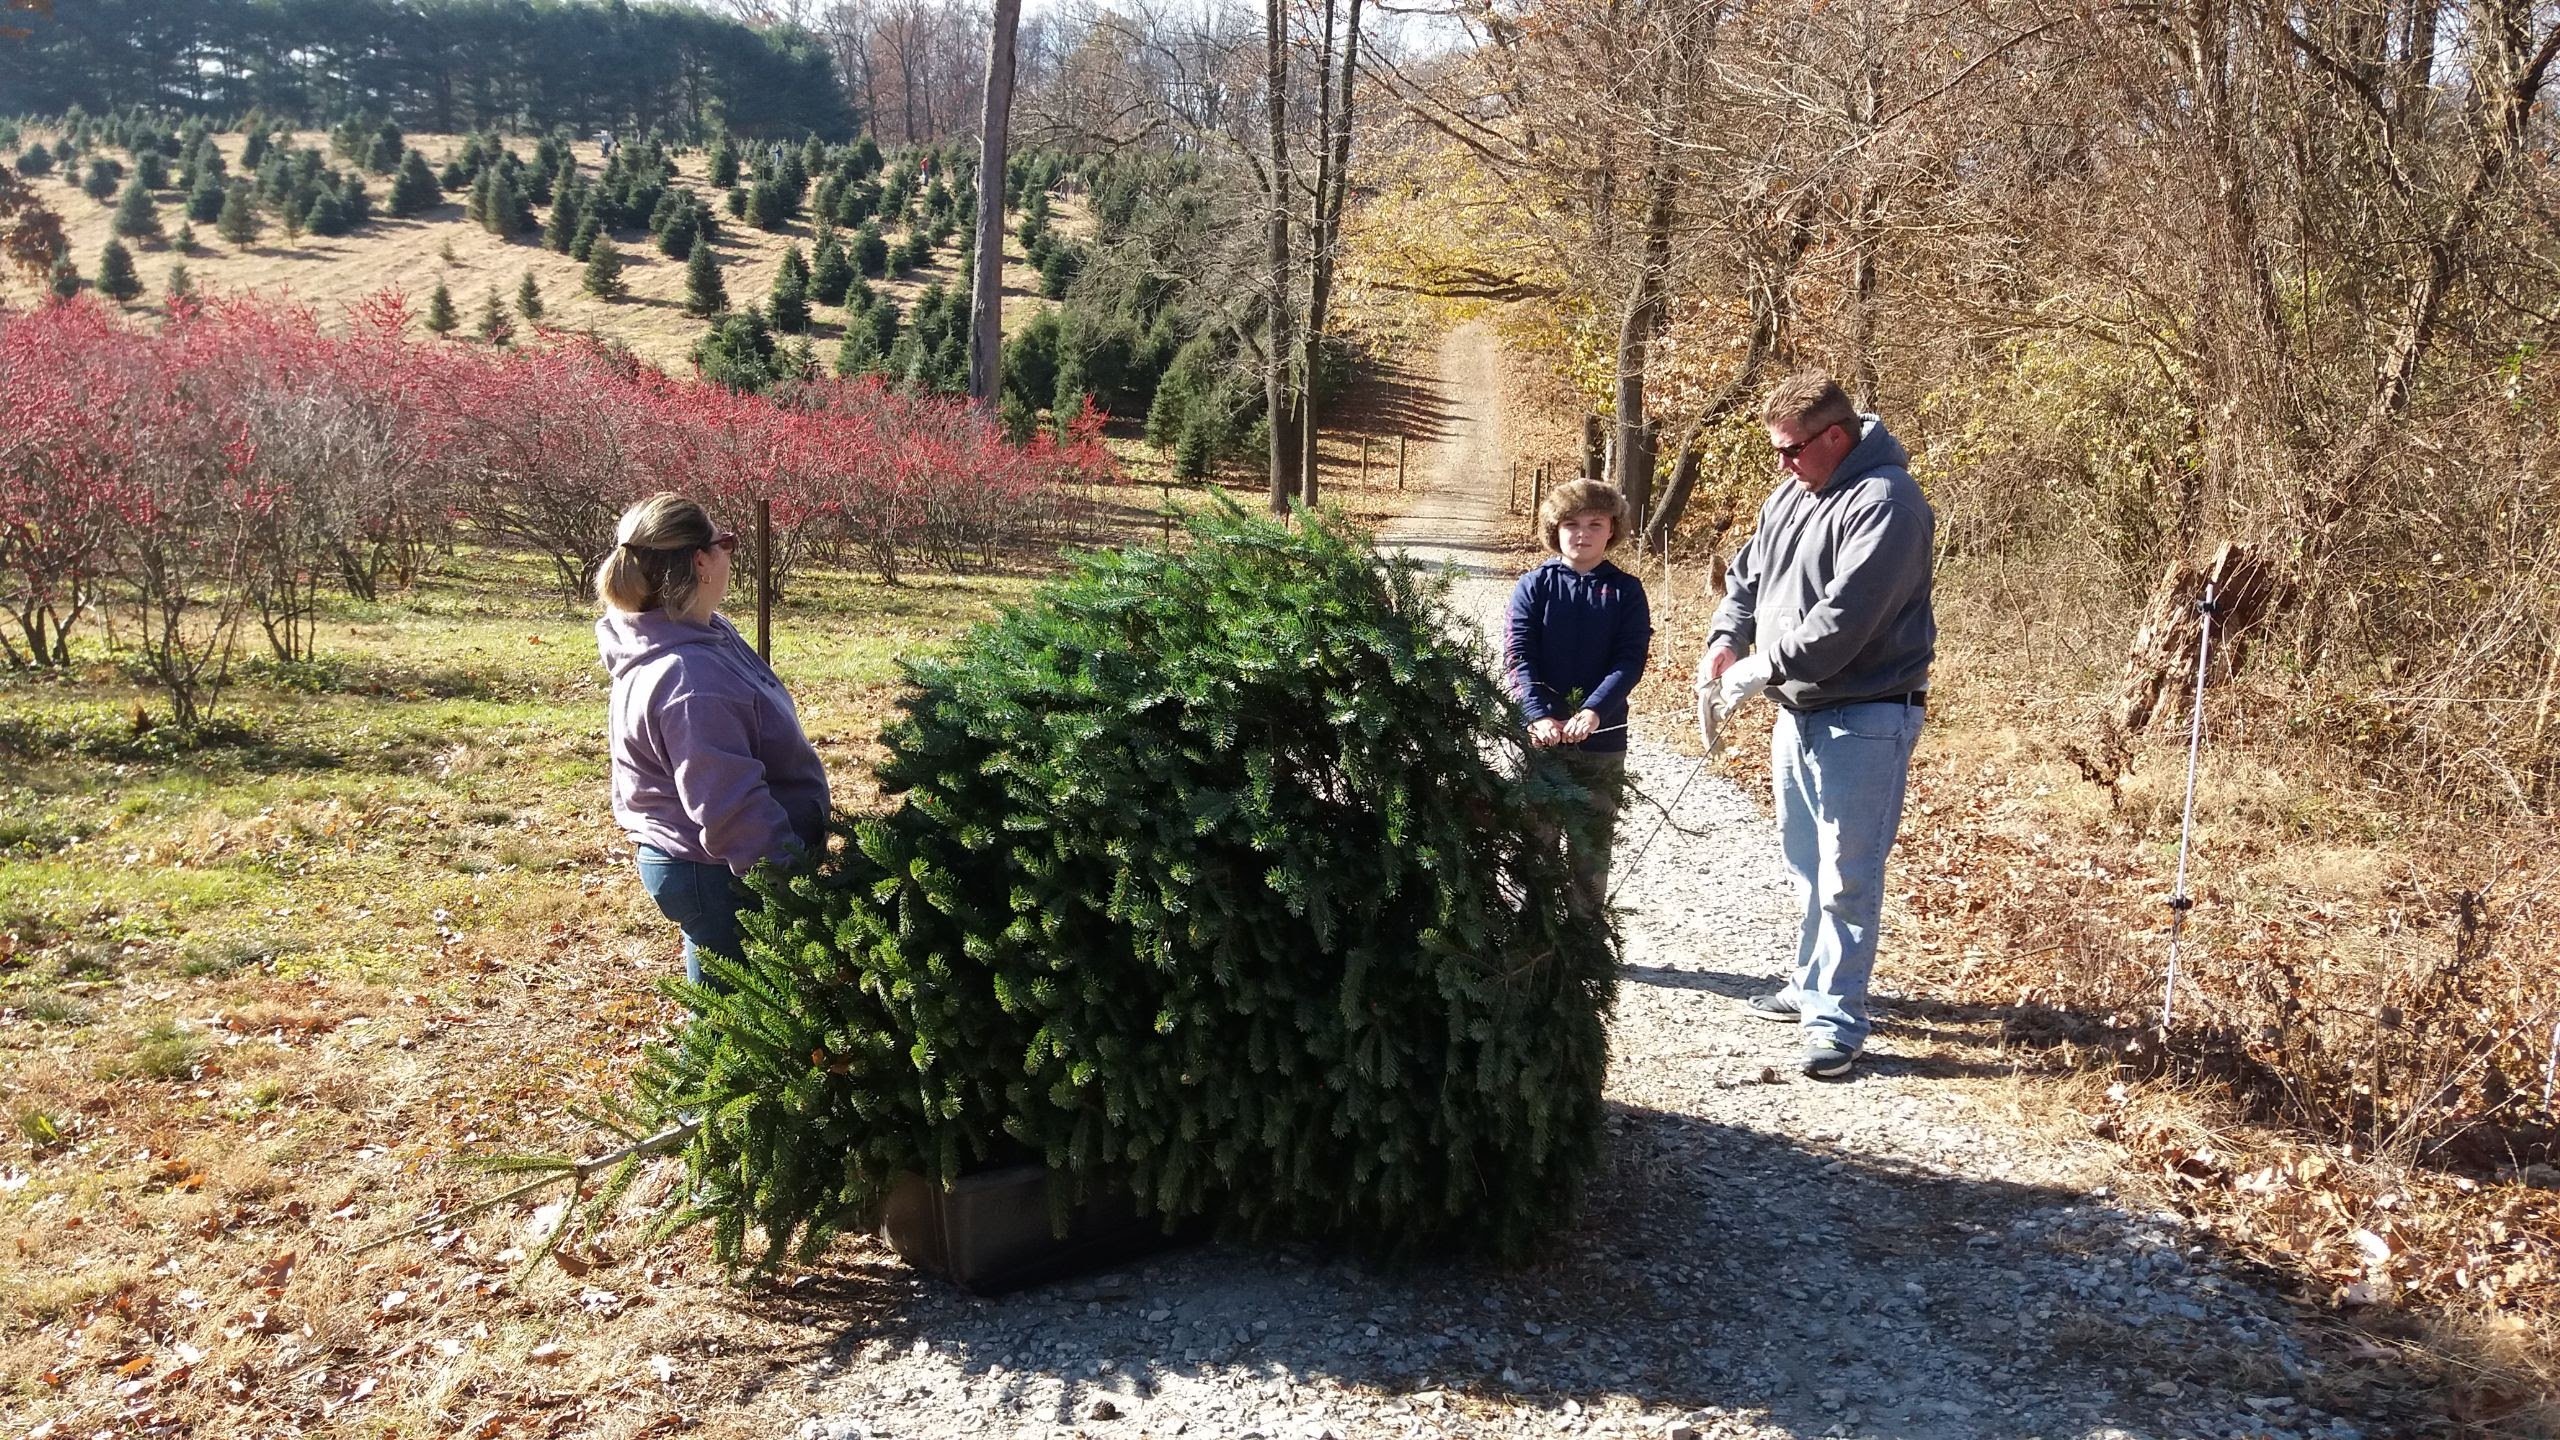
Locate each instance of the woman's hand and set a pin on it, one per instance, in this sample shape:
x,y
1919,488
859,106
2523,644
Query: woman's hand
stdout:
x,y
1581,726
1543,733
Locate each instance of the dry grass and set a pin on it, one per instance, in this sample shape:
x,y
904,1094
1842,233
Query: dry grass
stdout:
x,y
406,255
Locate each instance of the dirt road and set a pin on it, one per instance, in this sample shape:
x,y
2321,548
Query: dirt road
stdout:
x,y
1763,1256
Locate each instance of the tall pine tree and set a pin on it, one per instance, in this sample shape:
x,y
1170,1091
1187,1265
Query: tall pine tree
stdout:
x,y
704,294
560,232
790,303
831,275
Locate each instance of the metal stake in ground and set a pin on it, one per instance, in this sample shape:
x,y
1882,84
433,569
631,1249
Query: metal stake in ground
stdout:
x,y
2551,1067
2179,904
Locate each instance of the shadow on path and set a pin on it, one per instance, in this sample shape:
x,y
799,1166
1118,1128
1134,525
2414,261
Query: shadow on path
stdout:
x,y
1981,1289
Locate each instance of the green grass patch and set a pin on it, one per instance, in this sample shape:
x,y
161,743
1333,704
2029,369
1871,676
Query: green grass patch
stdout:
x,y
163,1049
445,749
52,1007
41,1128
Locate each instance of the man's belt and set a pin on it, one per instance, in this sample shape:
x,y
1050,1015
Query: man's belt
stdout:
x,y
1918,699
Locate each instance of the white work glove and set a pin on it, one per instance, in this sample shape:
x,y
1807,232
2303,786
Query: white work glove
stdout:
x,y
1743,680
1707,720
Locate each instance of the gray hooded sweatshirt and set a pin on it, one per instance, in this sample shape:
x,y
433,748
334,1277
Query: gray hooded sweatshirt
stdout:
x,y
709,762
1834,584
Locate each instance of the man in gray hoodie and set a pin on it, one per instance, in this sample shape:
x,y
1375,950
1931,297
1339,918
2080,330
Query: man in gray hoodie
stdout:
x,y
1830,598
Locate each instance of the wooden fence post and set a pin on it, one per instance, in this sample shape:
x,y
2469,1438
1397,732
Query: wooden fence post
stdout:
x,y
1399,462
1364,462
1538,490
1512,505
764,581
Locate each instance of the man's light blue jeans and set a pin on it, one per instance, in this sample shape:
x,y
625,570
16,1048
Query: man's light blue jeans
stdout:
x,y
1838,776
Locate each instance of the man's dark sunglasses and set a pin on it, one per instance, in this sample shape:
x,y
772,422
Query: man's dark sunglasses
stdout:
x,y
1789,452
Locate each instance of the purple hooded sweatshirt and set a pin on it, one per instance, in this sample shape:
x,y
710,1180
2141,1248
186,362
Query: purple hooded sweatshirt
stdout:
x,y
709,762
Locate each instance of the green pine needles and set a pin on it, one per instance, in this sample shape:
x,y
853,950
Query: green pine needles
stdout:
x,y
1214,878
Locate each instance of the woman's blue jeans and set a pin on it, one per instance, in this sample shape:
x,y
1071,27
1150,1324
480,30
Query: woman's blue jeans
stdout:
x,y
703,900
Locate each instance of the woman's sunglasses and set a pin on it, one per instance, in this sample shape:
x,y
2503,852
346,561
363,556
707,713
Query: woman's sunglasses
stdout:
x,y
724,540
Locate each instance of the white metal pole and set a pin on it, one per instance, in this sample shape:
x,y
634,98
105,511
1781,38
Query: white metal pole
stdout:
x,y
2179,904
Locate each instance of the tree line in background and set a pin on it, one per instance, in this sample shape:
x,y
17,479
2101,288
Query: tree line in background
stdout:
x,y
227,470
440,65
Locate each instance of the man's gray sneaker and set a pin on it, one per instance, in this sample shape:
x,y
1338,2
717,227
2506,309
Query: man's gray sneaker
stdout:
x,y
1826,1061
1776,1005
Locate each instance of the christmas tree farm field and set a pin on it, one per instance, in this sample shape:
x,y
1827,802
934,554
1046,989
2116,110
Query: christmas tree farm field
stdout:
x,y
262,986
1211,877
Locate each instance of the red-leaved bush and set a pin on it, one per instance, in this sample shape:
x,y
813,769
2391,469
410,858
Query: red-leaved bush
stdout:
x,y
241,459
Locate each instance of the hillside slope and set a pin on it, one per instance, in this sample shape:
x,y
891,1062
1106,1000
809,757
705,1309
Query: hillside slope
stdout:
x,y
407,255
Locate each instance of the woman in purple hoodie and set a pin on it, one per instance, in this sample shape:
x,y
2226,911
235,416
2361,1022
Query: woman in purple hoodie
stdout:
x,y
711,773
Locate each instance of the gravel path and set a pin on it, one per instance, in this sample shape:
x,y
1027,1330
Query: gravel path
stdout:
x,y
1762,1256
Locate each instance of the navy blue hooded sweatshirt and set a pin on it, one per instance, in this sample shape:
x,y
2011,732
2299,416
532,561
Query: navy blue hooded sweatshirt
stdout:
x,y
1578,642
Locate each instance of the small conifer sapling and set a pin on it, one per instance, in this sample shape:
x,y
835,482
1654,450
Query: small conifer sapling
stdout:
x,y
704,293
604,270
495,326
137,217
116,277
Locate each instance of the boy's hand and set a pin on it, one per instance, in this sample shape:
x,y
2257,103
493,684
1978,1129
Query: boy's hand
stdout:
x,y
1545,732
1581,726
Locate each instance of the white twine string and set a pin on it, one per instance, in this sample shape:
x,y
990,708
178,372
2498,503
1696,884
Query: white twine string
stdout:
x,y
2179,904
1707,736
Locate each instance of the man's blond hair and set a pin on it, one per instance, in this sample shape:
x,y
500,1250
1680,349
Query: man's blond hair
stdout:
x,y
1808,404
1576,497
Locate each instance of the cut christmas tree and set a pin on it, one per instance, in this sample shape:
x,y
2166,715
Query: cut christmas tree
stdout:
x,y
1215,878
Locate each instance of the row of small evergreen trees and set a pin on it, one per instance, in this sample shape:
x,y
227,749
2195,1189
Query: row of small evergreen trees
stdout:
x,y
1132,329
934,193
297,189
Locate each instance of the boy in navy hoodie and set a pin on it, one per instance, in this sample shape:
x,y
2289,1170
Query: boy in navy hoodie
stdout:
x,y
1579,634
